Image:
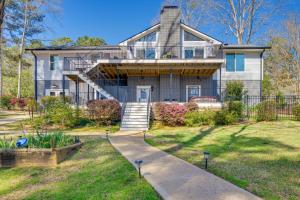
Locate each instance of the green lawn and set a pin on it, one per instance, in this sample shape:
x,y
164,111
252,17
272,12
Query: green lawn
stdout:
x,y
263,158
97,171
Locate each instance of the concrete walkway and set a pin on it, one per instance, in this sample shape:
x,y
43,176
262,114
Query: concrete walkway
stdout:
x,y
11,118
172,177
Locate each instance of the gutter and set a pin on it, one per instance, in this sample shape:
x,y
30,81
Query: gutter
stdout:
x,y
261,71
35,76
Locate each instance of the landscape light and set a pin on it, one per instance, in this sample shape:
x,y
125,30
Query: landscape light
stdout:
x,y
206,156
138,163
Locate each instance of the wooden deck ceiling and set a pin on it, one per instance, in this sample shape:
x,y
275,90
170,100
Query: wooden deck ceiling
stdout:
x,y
153,68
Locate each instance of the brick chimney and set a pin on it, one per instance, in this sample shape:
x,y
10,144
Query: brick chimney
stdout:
x,y
170,30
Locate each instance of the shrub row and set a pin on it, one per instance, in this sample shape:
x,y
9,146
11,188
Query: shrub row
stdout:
x,y
8,102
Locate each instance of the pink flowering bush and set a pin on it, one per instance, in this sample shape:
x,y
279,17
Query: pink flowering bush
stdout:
x,y
172,114
18,103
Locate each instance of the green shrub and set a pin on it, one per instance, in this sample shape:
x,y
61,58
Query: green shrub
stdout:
x,y
236,107
266,111
198,118
61,113
234,91
38,124
191,106
49,140
5,102
7,144
296,112
280,100
224,117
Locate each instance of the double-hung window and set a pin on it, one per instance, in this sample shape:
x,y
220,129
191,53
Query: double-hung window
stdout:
x,y
235,62
54,62
190,52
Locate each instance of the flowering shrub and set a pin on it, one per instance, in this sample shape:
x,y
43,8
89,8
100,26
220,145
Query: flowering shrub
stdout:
x,y
192,106
18,103
172,114
104,111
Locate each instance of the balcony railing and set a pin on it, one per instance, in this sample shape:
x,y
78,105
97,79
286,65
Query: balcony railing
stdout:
x,y
145,52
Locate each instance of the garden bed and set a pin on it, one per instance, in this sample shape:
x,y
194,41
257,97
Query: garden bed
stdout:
x,y
36,157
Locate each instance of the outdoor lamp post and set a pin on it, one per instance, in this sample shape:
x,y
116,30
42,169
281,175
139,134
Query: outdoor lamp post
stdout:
x,y
138,163
107,131
206,156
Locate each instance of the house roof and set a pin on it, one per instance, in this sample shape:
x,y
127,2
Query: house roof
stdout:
x,y
185,26
245,46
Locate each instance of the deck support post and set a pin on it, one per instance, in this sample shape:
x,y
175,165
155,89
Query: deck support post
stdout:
x,y
77,91
220,84
118,83
63,86
171,85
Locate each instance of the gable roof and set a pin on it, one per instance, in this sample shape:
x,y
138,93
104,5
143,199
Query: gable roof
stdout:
x,y
184,26
141,34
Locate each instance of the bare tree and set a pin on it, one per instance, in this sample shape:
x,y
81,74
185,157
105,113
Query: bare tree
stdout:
x,y
242,18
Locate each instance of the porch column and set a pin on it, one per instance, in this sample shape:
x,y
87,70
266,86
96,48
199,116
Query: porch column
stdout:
x,y
63,86
118,83
77,91
220,84
171,85
88,92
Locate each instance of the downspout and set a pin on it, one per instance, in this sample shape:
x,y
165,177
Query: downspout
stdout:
x,y
35,77
261,72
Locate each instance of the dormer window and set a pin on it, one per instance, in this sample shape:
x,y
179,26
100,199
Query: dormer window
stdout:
x,y
191,37
151,37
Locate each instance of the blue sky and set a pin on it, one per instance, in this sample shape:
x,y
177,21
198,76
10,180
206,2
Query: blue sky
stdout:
x,y
116,20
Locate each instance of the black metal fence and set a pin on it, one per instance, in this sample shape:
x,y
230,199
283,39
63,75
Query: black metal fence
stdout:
x,y
281,106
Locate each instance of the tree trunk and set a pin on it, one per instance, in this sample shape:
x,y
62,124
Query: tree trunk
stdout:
x,y
2,6
22,49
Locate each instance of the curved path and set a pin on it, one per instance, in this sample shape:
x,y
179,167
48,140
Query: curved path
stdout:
x,y
174,178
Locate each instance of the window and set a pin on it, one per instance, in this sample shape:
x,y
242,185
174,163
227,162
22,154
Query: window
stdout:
x,y
151,37
190,53
191,37
52,94
150,53
54,62
235,62
199,53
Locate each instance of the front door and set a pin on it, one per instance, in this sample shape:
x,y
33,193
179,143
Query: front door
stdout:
x,y
192,91
143,93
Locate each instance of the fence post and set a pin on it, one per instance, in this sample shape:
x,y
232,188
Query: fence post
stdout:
x,y
277,100
247,101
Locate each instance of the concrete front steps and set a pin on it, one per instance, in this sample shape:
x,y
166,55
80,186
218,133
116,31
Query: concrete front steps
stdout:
x,y
135,117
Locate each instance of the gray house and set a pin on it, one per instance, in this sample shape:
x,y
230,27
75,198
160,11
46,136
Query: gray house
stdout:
x,y
169,61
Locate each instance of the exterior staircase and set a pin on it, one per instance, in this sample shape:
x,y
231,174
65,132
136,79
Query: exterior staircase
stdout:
x,y
91,83
136,116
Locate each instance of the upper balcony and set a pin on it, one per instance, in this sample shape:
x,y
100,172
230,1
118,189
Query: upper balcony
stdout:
x,y
151,52
148,54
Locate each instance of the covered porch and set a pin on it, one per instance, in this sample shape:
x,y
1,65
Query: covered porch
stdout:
x,y
160,80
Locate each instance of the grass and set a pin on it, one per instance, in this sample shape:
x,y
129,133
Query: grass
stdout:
x,y
97,171
263,158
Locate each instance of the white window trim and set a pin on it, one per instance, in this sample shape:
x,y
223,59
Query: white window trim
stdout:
x,y
142,87
57,91
235,72
50,61
187,91
194,51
